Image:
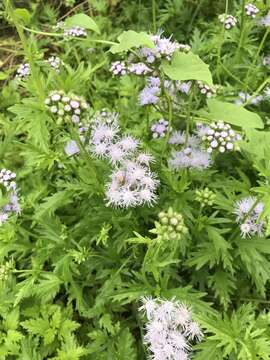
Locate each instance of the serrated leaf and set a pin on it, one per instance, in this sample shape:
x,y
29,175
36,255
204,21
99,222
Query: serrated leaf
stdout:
x,y
22,15
82,20
233,114
187,67
130,39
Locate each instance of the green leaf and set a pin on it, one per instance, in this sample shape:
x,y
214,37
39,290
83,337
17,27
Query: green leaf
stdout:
x,y
130,39
187,67
82,20
22,15
233,114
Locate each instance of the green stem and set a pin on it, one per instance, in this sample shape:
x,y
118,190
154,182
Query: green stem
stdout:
x,y
188,116
27,50
154,16
242,29
251,68
221,41
256,92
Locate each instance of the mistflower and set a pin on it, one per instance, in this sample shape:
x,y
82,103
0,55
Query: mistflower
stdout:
x,y
118,68
248,211
169,329
192,158
265,21
23,71
71,148
266,60
10,192
228,21
139,69
206,90
160,128
180,138
205,197
184,87
131,184
251,10
164,48
220,137
75,31
244,97
170,226
149,95
55,62
67,106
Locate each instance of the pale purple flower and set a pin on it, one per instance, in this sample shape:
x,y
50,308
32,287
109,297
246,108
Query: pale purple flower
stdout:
x,y
118,68
23,71
149,95
220,137
154,81
139,69
245,97
248,212
55,62
184,87
192,158
71,148
180,138
265,21
9,190
75,31
251,10
160,128
131,185
228,21
167,334
206,90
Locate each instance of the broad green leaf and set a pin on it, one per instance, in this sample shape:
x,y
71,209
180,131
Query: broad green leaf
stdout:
x,y
233,114
187,67
22,15
130,39
82,20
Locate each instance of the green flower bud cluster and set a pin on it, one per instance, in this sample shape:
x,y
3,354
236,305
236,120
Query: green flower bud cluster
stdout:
x,y
67,106
205,197
5,270
171,225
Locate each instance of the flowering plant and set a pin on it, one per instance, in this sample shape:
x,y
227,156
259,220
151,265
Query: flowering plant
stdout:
x,y
134,180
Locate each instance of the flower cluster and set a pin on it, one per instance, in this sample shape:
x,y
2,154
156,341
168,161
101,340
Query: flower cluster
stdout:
x,y
265,21
67,106
221,137
205,197
160,128
75,31
23,71
191,155
170,226
248,211
244,97
251,10
206,90
170,329
163,48
228,21
7,182
131,182
119,68
55,62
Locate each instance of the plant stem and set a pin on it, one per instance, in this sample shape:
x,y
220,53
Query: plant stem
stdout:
x,y
242,30
154,16
251,68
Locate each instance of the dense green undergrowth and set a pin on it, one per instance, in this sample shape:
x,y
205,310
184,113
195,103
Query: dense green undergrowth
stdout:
x,y
137,138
